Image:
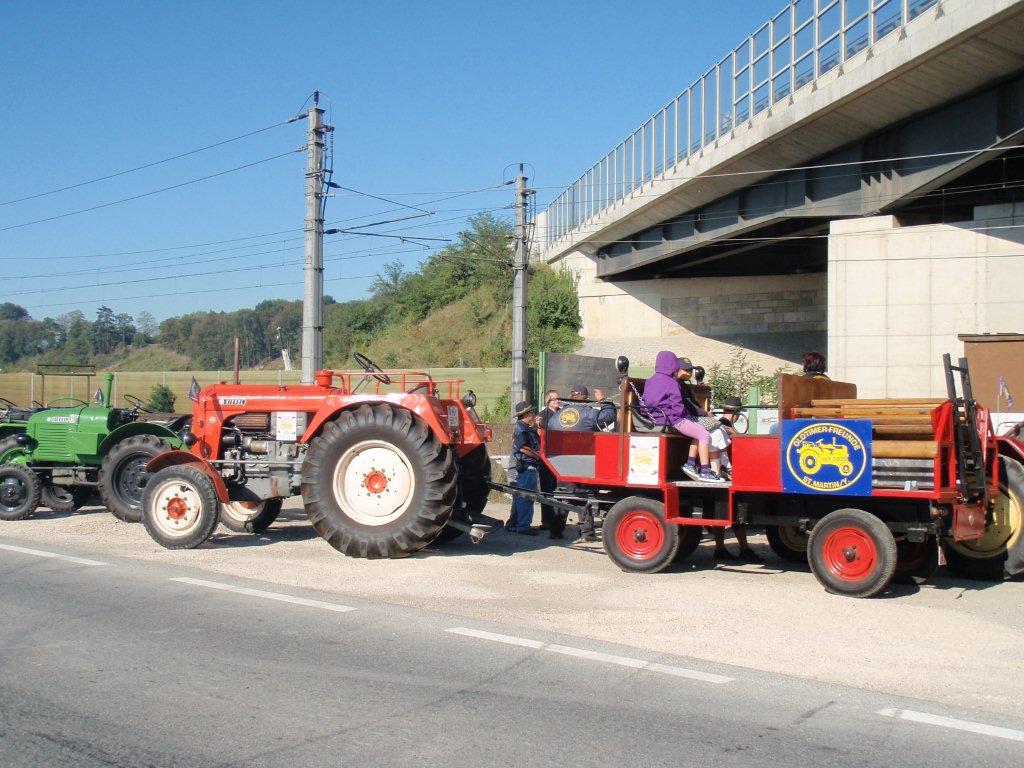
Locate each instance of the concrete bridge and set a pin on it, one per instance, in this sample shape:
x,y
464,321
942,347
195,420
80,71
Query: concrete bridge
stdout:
x,y
719,222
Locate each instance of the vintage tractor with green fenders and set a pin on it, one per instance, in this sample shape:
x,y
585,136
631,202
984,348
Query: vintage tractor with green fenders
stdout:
x,y
13,418
63,454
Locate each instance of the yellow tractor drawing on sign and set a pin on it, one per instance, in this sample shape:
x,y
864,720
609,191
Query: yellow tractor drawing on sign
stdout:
x,y
815,455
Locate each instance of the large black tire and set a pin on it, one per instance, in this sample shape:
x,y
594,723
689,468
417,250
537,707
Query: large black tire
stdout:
x,y
19,492
852,553
246,517
123,477
637,538
377,482
1000,552
180,507
689,540
474,474
64,499
8,447
787,542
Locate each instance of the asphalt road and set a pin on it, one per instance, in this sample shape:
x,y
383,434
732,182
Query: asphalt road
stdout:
x,y
109,661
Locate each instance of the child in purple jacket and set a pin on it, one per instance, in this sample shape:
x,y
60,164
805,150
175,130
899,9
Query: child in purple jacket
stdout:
x,y
666,402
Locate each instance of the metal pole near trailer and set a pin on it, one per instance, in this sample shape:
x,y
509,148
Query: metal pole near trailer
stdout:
x,y
313,295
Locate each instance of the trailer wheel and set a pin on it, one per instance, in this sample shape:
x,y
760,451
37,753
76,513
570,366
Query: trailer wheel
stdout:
x,y
249,516
377,482
64,499
19,492
179,507
1000,552
474,474
916,561
637,538
689,540
788,542
123,475
852,553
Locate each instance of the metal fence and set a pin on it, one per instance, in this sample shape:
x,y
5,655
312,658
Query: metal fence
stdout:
x,y
488,384
805,40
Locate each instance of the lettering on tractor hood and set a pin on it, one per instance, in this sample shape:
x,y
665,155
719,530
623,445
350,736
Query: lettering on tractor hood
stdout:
x,y
69,419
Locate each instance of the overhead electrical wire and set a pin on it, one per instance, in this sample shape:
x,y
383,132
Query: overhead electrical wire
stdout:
x,y
146,165
148,194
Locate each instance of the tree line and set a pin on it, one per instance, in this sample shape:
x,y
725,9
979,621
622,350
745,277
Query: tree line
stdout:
x,y
477,265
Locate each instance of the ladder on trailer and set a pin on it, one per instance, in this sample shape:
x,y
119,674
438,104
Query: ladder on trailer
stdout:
x,y
967,442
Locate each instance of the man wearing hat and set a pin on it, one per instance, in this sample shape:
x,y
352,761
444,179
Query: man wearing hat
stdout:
x,y
526,453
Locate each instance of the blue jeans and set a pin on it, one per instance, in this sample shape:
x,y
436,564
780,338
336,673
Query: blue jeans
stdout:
x,y
522,508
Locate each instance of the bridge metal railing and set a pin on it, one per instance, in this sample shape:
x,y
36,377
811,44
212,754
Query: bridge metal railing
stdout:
x,y
804,41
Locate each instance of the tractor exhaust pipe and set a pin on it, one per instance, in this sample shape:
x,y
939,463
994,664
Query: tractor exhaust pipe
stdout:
x,y
108,386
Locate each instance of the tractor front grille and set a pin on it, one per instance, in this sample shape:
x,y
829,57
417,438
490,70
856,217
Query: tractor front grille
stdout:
x,y
52,442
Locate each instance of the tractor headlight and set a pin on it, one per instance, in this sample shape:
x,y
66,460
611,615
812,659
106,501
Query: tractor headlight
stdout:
x,y
469,399
22,439
188,438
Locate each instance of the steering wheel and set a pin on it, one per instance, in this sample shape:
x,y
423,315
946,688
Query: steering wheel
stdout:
x,y
72,400
4,402
372,368
136,404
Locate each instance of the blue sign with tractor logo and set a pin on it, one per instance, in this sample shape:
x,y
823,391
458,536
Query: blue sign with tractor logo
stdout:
x,y
826,457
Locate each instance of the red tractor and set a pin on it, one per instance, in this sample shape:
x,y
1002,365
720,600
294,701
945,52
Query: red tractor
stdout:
x,y
385,462
862,490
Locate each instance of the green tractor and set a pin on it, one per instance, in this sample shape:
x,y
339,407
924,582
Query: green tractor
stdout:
x,y
64,454
13,418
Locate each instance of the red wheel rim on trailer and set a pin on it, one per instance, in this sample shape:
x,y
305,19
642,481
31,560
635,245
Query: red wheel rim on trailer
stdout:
x,y
849,553
639,534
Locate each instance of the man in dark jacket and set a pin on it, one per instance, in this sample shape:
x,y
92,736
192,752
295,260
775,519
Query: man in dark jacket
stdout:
x,y
547,480
526,453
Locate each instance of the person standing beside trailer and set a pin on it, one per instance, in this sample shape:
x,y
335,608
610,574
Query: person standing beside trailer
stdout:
x,y
526,453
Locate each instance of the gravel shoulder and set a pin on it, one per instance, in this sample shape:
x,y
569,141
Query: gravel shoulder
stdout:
x,y
950,640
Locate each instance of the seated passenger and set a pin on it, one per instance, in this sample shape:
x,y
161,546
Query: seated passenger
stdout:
x,y
668,400
575,414
605,411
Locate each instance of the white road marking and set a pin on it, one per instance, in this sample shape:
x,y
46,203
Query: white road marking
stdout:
x,y
51,555
606,658
264,594
951,722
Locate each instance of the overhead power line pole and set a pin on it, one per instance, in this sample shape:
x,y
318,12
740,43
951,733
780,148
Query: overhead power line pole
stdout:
x,y
519,290
313,272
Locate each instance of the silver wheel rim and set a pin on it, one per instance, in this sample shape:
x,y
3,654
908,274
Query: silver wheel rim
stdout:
x,y
374,483
241,511
177,508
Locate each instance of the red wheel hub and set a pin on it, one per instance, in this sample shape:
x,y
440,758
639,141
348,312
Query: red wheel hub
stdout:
x,y
849,553
376,481
176,508
640,534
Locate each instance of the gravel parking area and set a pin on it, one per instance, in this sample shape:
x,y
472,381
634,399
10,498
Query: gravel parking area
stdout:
x,y
950,640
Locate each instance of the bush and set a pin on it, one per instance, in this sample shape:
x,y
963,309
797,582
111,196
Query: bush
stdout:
x,y
161,399
500,411
737,376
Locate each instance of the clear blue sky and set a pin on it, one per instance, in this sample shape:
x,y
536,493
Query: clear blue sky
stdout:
x,y
425,97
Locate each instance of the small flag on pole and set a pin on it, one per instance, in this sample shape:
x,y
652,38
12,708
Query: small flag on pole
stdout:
x,y
193,390
1004,392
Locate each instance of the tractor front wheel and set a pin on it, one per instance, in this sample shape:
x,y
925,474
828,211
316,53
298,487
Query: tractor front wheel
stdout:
x,y
123,475
249,516
853,553
378,483
179,507
1000,551
637,537
19,492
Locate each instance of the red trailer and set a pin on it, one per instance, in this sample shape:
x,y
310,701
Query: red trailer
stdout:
x,y
862,490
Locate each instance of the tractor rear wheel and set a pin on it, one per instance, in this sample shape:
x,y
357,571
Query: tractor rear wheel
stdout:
x,y
853,553
179,509
377,482
249,516
64,499
787,542
19,492
637,537
1000,552
123,475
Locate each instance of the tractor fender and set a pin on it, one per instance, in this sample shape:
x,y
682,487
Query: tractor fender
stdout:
x,y
138,428
1008,446
176,458
415,404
